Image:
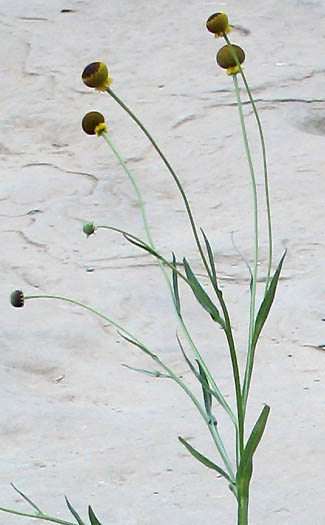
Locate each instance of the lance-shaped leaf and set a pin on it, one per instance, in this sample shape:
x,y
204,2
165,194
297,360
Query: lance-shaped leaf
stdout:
x,y
138,344
175,288
201,295
211,258
205,389
153,373
93,519
245,468
215,393
204,460
74,513
267,303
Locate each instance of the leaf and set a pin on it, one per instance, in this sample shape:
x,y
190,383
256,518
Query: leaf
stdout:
x,y
201,295
245,468
175,287
205,389
38,510
92,517
154,373
74,512
267,303
138,344
211,258
202,459
214,393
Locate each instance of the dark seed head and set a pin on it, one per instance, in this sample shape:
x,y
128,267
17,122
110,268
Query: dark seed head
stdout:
x,y
93,123
226,60
218,24
95,75
17,298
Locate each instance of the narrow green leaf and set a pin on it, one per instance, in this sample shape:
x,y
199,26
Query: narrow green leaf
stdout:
x,y
205,389
244,472
175,287
38,510
92,517
202,459
201,295
211,258
267,303
138,344
216,395
153,373
74,512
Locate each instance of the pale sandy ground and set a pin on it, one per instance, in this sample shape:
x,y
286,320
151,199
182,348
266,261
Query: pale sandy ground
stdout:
x,y
73,420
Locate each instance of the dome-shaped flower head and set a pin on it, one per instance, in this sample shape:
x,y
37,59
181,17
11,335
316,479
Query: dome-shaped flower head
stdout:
x,y
93,123
17,298
226,60
218,24
95,75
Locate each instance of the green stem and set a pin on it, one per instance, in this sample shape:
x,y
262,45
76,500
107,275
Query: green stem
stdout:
x,y
194,230
196,352
242,510
254,280
223,403
171,171
266,184
144,348
35,516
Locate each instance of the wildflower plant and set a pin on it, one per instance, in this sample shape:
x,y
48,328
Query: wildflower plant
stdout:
x,y
238,473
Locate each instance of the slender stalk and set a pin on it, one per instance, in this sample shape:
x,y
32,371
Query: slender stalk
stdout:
x,y
265,170
254,271
144,348
38,517
161,260
242,510
193,226
171,171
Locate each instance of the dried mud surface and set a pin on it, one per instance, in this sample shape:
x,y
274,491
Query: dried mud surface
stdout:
x,y
73,420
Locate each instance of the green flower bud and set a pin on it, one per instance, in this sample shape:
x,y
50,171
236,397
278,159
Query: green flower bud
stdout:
x,y
227,61
88,228
17,298
218,24
95,75
93,123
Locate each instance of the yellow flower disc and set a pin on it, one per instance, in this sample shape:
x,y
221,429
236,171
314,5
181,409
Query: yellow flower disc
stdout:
x,y
95,75
227,61
218,24
93,123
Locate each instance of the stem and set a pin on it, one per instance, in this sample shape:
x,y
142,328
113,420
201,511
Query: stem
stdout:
x,y
171,171
242,510
161,260
218,292
254,280
266,184
35,516
134,184
145,349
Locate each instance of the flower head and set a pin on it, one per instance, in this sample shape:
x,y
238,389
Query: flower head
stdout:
x,y
218,24
88,228
93,123
226,60
17,298
95,75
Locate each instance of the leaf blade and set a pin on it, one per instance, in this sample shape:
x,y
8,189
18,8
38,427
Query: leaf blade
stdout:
x,y
201,295
245,468
92,517
204,460
266,304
